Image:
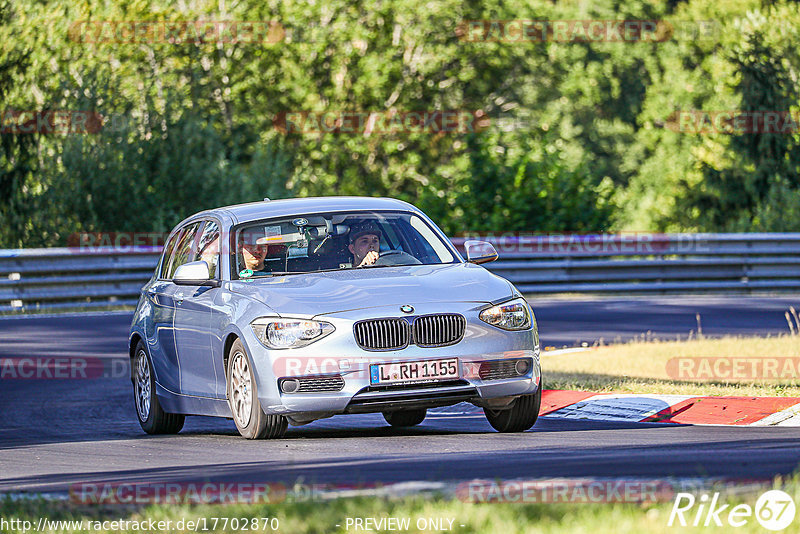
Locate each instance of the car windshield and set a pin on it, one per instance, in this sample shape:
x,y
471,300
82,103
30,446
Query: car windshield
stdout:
x,y
334,241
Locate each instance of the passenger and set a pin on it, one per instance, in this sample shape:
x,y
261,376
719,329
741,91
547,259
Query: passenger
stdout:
x,y
365,244
253,250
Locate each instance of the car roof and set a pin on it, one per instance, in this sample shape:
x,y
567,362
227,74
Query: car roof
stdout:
x,y
253,211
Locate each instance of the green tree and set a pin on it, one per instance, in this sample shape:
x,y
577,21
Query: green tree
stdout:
x,y
765,164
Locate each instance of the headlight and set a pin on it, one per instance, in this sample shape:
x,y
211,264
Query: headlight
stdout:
x,y
289,333
511,315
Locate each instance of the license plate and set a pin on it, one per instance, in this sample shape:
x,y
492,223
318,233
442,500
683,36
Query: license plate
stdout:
x,y
407,372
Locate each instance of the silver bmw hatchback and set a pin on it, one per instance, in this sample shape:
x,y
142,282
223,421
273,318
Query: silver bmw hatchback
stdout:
x,y
284,312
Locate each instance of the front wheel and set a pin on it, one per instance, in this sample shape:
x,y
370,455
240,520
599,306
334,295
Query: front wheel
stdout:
x,y
405,417
250,419
152,418
520,417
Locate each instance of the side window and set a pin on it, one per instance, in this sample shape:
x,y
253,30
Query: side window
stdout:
x,y
168,254
208,247
183,249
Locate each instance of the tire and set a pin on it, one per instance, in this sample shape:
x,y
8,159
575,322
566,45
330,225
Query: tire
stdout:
x,y
152,417
405,418
249,417
520,417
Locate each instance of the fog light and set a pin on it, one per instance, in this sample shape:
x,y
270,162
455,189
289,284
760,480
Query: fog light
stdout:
x,y
290,385
521,367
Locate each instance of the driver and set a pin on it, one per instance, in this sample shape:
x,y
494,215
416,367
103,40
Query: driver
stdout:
x,y
365,244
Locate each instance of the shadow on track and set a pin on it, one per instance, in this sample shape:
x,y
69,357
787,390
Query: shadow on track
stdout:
x,y
741,458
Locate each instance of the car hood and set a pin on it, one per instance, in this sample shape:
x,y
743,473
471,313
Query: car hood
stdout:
x,y
336,291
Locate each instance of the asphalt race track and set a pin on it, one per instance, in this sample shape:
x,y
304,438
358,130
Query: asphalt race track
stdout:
x,y
57,432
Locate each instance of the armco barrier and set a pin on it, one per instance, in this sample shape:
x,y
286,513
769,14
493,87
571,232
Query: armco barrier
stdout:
x,y
58,278
660,263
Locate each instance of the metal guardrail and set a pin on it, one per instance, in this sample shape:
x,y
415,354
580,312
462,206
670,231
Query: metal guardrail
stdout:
x,y
64,278
59,278
649,263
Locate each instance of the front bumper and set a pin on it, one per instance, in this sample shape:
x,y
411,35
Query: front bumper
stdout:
x,y
338,354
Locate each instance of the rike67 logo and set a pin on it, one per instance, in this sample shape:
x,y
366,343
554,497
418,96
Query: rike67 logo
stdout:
x,y
774,510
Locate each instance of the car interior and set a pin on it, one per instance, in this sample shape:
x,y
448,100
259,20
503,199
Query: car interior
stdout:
x,y
318,243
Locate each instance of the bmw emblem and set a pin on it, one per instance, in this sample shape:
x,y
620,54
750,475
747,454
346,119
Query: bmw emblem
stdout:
x,y
405,308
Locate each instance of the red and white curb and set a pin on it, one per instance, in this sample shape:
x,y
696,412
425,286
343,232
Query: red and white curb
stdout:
x,y
678,409
643,408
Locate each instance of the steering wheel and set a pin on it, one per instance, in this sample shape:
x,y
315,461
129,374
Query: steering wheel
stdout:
x,y
397,257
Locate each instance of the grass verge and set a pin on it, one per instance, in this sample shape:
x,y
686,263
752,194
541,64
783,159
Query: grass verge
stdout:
x,y
644,367
460,517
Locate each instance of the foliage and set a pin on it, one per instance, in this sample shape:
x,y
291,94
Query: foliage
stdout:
x,y
578,138
713,180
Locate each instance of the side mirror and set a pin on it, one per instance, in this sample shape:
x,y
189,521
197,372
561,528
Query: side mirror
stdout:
x,y
480,252
194,273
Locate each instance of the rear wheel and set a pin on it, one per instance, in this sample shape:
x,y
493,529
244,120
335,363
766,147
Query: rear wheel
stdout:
x,y
522,415
250,419
153,419
405,417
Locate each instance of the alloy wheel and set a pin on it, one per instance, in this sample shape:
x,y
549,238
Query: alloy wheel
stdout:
x,y
142,385
241,389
